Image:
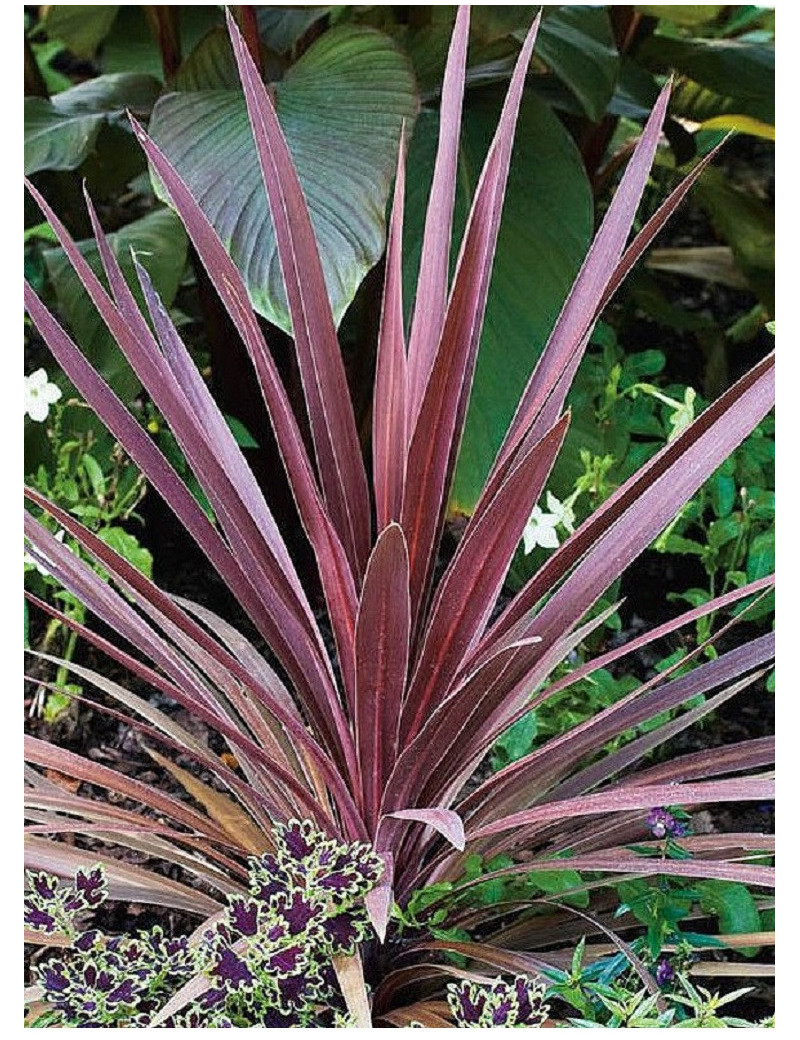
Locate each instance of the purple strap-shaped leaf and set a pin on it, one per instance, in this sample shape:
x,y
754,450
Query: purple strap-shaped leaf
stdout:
x,y
534,774
436,435
382,638
579,311
623,861
647,502
274,585
42,753
330,410
622,798
335,571
221,441
434,268
445,821
472,582
379,899
186,687
389,436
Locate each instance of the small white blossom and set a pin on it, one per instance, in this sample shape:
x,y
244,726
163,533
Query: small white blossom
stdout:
x,y
562,511
59,536
540,530
40,393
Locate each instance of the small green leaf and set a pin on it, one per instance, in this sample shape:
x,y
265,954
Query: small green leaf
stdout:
x,y
128,547
241,434
95,475
734,908
761,556
723,494
82,28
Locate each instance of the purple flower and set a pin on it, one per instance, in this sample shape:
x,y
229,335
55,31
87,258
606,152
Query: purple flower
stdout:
x,y
662,824
664,972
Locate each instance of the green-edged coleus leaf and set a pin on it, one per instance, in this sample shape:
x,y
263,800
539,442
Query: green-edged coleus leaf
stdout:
x,y
341,107
159,242
80,27
546,227
60,132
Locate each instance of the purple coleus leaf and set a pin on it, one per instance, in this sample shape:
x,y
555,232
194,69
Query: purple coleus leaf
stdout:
x,y
231,971
243,915
36,917
295,910
91,887
287,961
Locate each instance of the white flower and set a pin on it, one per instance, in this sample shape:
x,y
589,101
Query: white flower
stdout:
x,y
39,395
540,530
562,511
59,536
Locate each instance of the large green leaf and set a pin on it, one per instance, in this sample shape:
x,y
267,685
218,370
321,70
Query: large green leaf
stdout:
x,y
159,242
577,43
547,224
341,107
61,132
748,226
281,27
738,70
80,27
132,47
682,14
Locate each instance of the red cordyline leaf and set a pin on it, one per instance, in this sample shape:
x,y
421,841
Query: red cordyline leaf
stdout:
x,y
377,741
389,429
335,570
436,434
330,411
382,638
430,301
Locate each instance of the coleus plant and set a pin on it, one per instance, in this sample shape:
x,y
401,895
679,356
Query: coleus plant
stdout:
x,y
267,960
375,739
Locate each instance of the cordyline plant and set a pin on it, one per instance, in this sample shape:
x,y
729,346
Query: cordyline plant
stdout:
x,y
376,742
